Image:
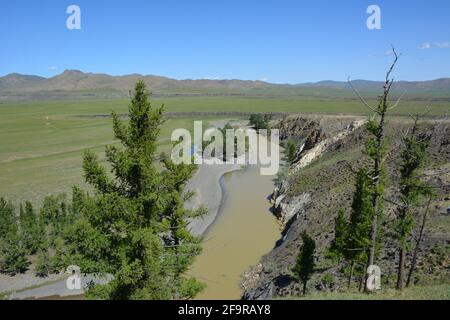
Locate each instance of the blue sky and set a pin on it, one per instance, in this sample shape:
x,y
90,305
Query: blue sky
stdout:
x,y
278,41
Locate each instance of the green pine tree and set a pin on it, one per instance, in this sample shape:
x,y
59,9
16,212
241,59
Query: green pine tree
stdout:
x,y
304,266
54,217
134,226
358,239
32,235
375,149
413,157
13,257
291,151
43,265
338,246
352,237
8,220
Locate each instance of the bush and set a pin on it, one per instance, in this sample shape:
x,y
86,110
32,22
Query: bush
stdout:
x,y
291,151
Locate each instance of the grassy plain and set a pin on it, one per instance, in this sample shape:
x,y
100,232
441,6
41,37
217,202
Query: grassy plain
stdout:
x,y
432,292
41,143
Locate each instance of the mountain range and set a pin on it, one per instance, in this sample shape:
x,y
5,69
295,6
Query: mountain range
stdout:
x,y
74,84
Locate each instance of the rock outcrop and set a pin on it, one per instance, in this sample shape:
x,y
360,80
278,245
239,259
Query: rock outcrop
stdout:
x,y
315,143
319,183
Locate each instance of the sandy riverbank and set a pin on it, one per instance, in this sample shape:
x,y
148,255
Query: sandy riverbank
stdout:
x,y
208,192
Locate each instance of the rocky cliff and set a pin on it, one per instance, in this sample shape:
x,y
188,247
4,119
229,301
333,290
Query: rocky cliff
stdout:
x,y
320,182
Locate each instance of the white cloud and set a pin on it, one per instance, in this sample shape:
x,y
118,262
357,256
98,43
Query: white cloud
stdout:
x,y
389,52
442,45
52,68
263,79
439,45
424,46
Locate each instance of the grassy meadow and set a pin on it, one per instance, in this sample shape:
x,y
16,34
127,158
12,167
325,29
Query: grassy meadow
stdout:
x,y
41,143
433,292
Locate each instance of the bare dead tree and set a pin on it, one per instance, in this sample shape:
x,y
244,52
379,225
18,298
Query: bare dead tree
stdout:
x,y
378,132
418,241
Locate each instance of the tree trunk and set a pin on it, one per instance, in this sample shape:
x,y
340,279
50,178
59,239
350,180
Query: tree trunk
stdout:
x,y
351,275
382,110
376,197
361,282
417,247
304,287
401,268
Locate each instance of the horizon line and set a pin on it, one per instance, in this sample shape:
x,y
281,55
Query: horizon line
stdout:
x,y
210,79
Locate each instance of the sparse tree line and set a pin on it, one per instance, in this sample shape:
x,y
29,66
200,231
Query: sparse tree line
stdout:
x,y
360,234
31,232
257,121
133,226
260,121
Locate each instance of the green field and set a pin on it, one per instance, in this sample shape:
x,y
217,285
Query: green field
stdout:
x,y
41,143
431,292
41,146
218,104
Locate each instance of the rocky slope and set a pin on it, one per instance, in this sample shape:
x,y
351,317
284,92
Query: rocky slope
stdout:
x,y
320,182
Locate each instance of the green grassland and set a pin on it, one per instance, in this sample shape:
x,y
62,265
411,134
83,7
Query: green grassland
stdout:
x,y
432,292
246,104
41,143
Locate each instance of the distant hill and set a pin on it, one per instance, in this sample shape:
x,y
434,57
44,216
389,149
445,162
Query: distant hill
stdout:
x,y
74,84
15,81
368,86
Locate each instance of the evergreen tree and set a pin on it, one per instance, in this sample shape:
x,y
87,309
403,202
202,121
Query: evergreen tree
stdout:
x,y
182,246
13,255
31,232
358,239
259,121
352,237
54,216
8,219
12,251
304,266
338,246
291,151
43,264
375,148
134,226
413,157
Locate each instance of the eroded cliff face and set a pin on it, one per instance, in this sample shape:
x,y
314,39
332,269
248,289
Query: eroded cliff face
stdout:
x,y
261,282
313,144
318,184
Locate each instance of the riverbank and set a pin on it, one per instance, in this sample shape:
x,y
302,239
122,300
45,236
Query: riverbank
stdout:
x,y
242,233
208,193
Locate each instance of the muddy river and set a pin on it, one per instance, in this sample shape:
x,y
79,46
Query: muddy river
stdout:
x,y
244,231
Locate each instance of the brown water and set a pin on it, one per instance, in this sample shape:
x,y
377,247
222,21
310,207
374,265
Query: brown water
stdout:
x,y
244,231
